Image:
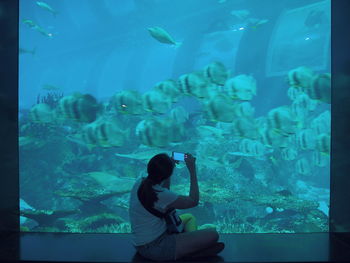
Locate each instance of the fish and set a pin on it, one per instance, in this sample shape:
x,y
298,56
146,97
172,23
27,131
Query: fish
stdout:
x,y
255,22
46,7
41,113
320,160
272,138
240,14
245,128
300,78
78,107
302,105
179,114
162,36
303,166
307,139
244,109
105,132
289,154
206,131
216,73
169,88
293,93
154,132
282,120
50,87
30,23
27,51
253,147
219,108
112,182
324,143
320,88
195,84
35,26
156,102
322,123
127,102
241,87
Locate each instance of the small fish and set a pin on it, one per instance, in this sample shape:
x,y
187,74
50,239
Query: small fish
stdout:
x,y
320,88
300,78
289,154
320,160
241,87
46,7
216,73
34,26
27,51
307,139
255,23
195,84
282,120
179,114
162,36
127,102
303,166
324,143
78,107
105,132
156,102
322,123
30,23
244,109
50,87
253,147
246,128
154,132
206,131
41,113
220,108
169,88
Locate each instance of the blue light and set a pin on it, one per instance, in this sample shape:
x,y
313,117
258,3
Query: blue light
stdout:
x,y
307,38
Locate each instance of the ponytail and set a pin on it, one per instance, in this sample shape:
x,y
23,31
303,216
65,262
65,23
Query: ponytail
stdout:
x,y
159,168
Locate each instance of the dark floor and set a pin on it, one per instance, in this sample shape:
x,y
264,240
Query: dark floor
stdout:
x,y
315,247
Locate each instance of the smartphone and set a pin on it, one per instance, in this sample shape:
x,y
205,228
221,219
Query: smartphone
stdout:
x,y
178,156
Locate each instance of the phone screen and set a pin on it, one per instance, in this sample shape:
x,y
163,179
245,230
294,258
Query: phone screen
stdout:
x,y
178,156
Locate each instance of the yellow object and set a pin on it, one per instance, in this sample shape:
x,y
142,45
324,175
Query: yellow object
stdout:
x,y
190,222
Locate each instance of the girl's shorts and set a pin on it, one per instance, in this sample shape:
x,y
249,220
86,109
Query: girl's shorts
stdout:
x,y
162,248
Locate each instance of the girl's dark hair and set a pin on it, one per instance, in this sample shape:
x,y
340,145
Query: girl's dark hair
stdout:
x,y
159,168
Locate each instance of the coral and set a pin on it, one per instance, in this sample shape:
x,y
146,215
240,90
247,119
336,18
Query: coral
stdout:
x,y
95,223
281,201
209,192
51,99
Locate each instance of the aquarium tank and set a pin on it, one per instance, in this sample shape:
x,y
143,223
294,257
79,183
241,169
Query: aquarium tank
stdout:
x,y
106,85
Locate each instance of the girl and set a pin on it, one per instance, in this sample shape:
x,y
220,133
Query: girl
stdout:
x,y
149,232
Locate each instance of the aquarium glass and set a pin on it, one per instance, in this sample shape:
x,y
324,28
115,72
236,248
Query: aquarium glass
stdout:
x,y
106,85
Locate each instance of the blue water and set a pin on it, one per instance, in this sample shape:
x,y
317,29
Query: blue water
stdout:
x,y
102,47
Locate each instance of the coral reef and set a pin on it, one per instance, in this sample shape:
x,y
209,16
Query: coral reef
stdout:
x,y
51,98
